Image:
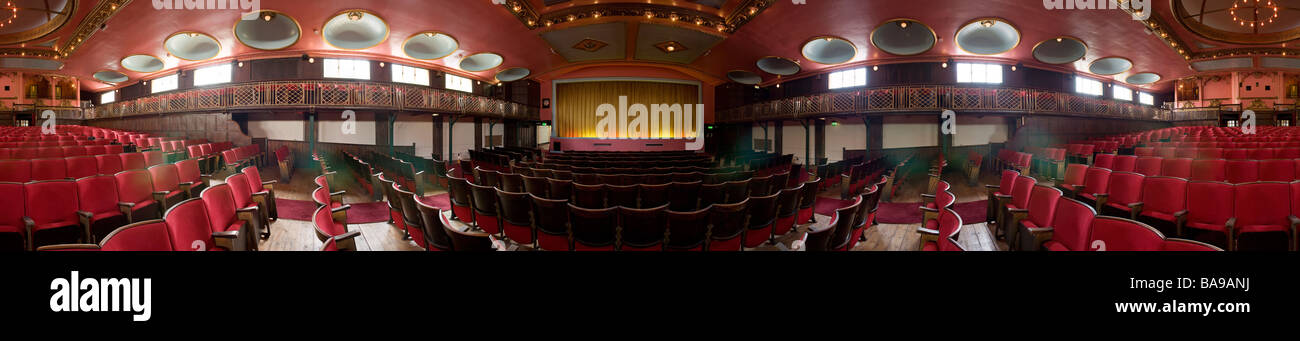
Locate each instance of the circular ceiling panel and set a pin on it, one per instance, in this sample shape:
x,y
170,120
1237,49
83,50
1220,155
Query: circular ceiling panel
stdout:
x,y
481,62
829,50
1110,66
192,46
270,30
987,36
903,37
355,30
1060,50
430,45
778,66
744,77
142,63
109,76
1142,78
513,74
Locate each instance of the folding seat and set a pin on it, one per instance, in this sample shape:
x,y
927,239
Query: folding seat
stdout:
x,y
1208,170
684,196
19,171
12,212
1175,244
626,196
411,221
226,216
642,229
1185,153
135,191
1209,154
1241,171
552,231
1103,160
1119,234
153,158
655,195
48,153
1018,199
149,235
1123,192
461,197
512,183
712,194
108,164
192,180
133,161
942,235
244,200
1144,151
263,191
485,208
1209,207
736,191
1149,166
49,169
1124,163
1287,153
1164,199
999,195
1261,207
1236,154
1277,170
1038,212
51,213
589,196
542,173
562,175
762,219
788,210
1068,231
1179,168
759,186
190,229
933,203
1262,154
73,151
593,229
27,153
516,216
1096,180
779,182
80,167
1167,152
166,180
99,212
727,226
434,228
536,186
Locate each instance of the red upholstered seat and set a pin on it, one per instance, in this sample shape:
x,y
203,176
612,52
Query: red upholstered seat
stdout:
x,y
149,235
1073,176
516,216
166,180
594,229
1241,171
1123,163
1208,170
98,202
190,175
946,229
223,212
1119,234
135,191
1103,161
1178,168
1125,188
728,226
1162,198
1149,166
643,229
80,167
1096,180
1144,151
11,215
1262,153
133,161
1209,206
553,229
52,207
49,169
1236,154
1039,212
1175,244
1070,227
263,191
1262,207
191,230
108,164
1277,170
15,171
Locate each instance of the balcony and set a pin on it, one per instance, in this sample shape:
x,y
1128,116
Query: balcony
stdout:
x,y
938,98
315,94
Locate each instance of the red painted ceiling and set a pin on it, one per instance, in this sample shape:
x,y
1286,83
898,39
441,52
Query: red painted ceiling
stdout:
x,y
780,30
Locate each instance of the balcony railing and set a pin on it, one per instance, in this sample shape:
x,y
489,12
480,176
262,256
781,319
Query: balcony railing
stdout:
x,y
315,94
939,98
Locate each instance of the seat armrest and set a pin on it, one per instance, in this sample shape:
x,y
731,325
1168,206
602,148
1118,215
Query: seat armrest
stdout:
x,y
228,240
1102,198
1040,235
160,197
63,247
1231,226
28,226
1295,221
1180,219
1135,209
86,219
927,236
342,208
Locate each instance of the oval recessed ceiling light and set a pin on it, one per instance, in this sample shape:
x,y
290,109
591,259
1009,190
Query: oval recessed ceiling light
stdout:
x,y
1110,66
744,77
142,63
192,46
987,36
1143,78
481,62
355,30
268,30
778,66
512,74
829,50
110,76
1060,50
430,45
903,37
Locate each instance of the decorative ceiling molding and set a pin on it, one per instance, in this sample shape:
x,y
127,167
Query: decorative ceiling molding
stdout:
x,y
57,20
98,17
532,19
1159,28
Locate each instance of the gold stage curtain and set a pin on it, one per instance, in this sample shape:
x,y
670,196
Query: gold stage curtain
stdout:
x,y
576,103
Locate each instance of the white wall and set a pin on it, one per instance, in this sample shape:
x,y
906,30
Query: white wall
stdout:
x,y
849,134
331,132
489,129
793,141
464,138
911,131
976,131
278,129
543,134
415,129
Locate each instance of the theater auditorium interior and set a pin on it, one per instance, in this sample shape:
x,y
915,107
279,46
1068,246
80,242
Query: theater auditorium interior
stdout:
x,y
649,125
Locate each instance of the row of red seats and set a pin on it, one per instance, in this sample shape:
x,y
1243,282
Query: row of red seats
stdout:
x,y
76,167
1032,216
1008,158
1220,153
1234,171
46,144
55,152
1175,203
1226,144
228,216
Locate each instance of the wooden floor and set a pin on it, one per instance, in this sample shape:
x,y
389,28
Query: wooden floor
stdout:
x,y
292,235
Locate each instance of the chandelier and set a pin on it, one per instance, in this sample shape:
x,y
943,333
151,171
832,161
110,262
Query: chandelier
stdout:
x,y
1253,13
13,13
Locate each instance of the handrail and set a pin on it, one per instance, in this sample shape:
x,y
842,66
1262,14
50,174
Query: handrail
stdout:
x,y
315,94
938,98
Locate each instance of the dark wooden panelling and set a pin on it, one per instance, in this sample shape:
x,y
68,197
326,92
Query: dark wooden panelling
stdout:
x,y
214,127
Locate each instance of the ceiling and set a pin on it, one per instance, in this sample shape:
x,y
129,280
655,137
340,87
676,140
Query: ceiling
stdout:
x,y
704,38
